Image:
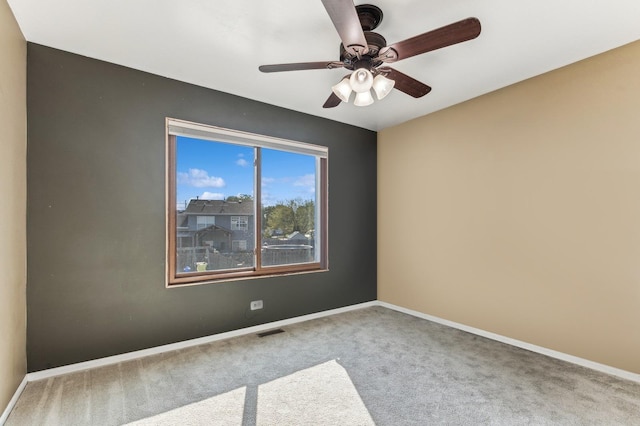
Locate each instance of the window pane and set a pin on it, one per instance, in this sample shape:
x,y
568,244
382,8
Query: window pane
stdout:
x,y
214,211
239,223
205,221
289,208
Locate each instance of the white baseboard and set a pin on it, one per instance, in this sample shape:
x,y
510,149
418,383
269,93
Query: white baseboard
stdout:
x,y
72,368
44,374
520,344
13,401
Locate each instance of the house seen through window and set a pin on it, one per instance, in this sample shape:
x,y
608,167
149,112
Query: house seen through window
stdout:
x,y
243,205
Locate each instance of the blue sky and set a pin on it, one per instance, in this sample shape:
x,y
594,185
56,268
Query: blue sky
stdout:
x,y
214,170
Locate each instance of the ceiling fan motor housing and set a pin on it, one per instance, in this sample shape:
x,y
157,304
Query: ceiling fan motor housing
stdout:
x,y
375,42
369,15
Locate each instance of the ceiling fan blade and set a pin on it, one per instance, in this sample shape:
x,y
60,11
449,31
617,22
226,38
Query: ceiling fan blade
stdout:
x,y
301,66
345,18
460,31
406,84
332,101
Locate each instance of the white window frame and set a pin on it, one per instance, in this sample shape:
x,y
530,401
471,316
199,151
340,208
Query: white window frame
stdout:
x,y
240,223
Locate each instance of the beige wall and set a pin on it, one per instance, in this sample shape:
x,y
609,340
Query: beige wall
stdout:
x,y
519,212
13,187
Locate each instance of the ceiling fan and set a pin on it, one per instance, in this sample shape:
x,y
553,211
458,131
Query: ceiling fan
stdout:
x,y
366,53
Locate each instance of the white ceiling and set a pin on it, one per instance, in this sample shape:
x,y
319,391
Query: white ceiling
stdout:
x,y
220,44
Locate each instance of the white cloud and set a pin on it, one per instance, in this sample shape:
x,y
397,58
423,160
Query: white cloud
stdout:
x,y
268,199
306,180
200,179
212,196
242,162
267,180
281,180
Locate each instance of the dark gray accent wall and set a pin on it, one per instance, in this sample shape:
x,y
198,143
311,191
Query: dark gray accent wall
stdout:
x,y
96,213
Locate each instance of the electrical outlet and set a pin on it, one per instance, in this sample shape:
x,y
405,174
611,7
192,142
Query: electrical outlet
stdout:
x,y
256,304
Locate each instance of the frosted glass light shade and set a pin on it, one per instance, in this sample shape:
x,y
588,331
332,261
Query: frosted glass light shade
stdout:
x,y
361,80
382,86
343,89
363,99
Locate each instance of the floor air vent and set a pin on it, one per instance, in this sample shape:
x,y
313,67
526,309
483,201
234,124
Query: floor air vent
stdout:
x,y
271,332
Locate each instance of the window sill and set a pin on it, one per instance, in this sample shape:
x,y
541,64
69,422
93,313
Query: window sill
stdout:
x,y
267,272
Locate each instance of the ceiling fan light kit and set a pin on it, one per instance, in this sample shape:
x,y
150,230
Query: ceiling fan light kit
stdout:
x,y
343,89
363,99
363,52
382,86
361,80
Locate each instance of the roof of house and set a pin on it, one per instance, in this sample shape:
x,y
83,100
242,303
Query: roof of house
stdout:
x,y
295,235
219,207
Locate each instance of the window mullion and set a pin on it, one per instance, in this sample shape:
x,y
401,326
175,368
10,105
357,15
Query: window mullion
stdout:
x,y
257,214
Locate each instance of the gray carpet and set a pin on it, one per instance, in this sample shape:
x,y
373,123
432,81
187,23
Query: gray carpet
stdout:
x,y
370,366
